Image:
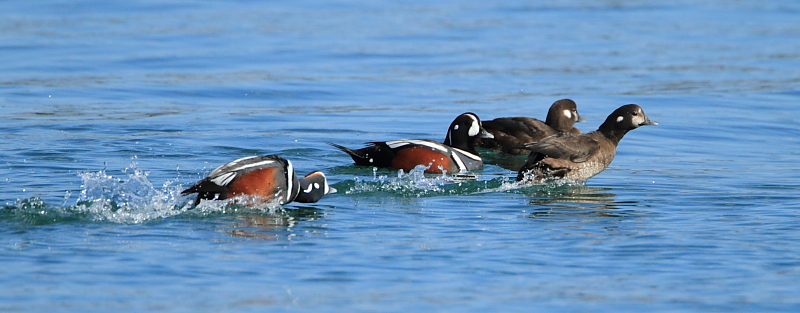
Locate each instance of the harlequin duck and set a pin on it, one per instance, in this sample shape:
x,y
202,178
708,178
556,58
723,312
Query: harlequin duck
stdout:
x,y
511,132
269,176
455,155
579,157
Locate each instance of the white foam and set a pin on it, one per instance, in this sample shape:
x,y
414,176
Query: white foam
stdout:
x,y
128,200
133,199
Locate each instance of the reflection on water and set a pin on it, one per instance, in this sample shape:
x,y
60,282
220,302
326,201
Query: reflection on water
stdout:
x,y
274,225
577,200
573,194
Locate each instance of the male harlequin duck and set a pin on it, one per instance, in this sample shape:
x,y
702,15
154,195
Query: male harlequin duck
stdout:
x,y
579,157
511,132
270,176
455,155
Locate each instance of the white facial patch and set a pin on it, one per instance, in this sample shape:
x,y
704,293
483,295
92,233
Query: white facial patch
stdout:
x,y
638,120
455,127
474,129
326,189
310,187
620,118
568,113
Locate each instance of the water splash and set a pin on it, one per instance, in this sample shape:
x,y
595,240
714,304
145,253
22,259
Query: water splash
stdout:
x,y
136,200
412,183
528,185
416,183
105,198
245,204
131,200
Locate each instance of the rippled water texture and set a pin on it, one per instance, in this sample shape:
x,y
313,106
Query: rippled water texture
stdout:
x,y
109,110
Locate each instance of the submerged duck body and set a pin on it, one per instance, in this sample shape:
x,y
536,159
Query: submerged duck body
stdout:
x,y
456,154
511,132
581,156
270,177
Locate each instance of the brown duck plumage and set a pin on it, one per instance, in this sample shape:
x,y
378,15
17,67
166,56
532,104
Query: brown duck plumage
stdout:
x,y
579,157
511,132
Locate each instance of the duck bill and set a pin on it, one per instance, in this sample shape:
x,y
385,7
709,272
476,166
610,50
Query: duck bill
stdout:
x,y
648,121
580,119
485,134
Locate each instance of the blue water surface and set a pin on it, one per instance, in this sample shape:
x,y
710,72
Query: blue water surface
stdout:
x,y
109,109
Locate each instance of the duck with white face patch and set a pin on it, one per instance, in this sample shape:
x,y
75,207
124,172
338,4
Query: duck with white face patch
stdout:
x,y
580,157
313,187
511,132
269,178
455,155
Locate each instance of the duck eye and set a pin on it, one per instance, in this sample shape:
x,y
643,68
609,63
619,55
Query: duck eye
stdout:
x,y
635,113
